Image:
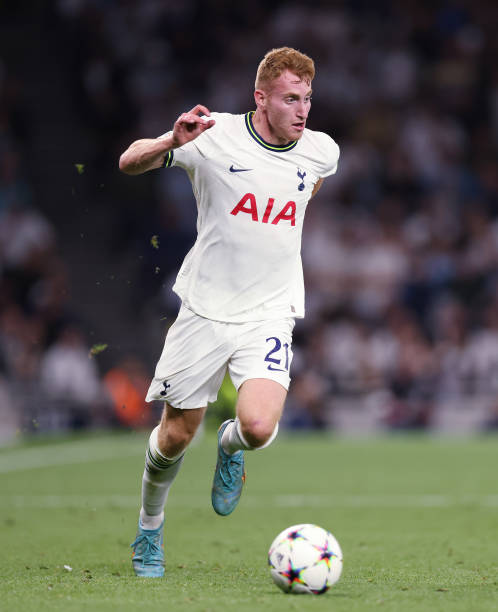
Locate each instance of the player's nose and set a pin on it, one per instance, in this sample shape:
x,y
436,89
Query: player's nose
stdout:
x,y
302,110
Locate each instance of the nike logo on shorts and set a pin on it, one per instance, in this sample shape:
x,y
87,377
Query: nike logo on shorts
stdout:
x,y
232,169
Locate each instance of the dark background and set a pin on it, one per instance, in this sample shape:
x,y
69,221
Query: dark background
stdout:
x,y
400,248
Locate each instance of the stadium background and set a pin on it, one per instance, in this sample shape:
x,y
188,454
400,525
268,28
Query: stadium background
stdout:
x,y
400,248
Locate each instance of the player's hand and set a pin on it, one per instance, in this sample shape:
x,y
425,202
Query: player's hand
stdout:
x,y
190,125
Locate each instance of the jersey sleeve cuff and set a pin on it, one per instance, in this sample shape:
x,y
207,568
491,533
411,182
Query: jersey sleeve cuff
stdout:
x,y
168,159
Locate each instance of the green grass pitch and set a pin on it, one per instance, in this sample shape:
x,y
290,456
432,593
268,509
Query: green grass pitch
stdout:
x,y
417,519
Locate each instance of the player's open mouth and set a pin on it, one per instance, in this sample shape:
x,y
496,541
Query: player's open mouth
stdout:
x,y
298,126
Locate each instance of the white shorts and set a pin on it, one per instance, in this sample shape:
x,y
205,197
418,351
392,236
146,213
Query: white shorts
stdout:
x,y
197,352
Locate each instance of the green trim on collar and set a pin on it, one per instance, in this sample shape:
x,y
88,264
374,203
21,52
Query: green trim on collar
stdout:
x,y
263,143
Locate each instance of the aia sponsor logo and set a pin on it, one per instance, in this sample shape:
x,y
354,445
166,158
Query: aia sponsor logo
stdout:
x,y
247,205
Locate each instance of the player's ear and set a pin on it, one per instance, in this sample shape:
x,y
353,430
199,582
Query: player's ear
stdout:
x,y
260,98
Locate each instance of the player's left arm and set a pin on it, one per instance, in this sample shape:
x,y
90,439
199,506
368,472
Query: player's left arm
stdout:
x,y
317,186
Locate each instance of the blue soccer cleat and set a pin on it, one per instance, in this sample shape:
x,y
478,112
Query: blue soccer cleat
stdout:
x,y
148,552
229,477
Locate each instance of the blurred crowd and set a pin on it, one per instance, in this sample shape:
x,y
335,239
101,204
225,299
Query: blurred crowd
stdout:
x,y
400,247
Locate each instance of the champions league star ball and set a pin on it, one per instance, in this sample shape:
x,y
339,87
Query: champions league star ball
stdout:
x,y
305,559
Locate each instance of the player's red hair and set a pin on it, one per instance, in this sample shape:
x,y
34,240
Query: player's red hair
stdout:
x,y
277,61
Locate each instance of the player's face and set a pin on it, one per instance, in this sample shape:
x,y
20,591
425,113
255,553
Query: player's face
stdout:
x,y
287,105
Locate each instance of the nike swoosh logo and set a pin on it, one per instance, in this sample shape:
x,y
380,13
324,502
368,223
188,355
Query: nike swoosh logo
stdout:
x,y
232,169
276,369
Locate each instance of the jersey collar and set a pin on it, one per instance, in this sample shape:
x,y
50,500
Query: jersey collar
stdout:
x,y
263,143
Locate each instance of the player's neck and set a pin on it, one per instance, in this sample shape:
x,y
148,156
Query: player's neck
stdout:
x,y
263,128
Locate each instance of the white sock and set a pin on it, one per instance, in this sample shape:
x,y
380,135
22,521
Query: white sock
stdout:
x,y
148,521
233,439
158,476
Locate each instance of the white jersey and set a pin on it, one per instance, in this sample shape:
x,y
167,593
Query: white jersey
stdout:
x,y
251,197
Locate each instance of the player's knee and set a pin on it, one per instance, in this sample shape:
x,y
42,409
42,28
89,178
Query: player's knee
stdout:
x,y
259,432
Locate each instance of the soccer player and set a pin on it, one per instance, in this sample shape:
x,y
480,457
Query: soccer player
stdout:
x,y
241,284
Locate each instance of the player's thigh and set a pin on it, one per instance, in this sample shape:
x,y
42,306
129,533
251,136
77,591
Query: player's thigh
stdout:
x,y
260,404
260,371
192,365
264,351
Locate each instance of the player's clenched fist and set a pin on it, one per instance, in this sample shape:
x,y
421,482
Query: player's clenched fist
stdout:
x,y
190,125
149,153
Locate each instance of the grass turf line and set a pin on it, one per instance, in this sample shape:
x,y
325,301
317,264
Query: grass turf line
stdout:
x,y
416,518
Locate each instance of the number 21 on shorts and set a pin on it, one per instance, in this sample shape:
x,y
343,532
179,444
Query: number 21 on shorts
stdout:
x,y
278,356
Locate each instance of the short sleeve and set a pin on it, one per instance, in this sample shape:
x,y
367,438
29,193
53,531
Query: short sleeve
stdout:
x,y
330,155
185,157
190,154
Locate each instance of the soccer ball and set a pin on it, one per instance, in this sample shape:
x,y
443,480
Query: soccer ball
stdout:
x,y
305,559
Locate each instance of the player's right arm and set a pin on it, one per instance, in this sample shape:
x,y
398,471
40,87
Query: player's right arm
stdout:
x,y
149,153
